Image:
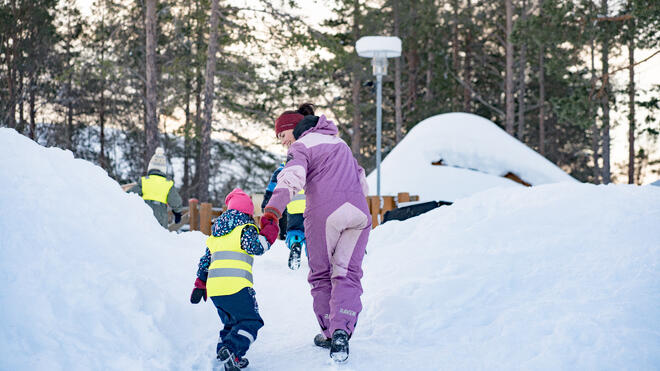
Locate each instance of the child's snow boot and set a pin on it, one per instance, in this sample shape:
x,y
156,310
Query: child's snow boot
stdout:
x,y
294,256
295,241
321,341
242,362
226,357
339,346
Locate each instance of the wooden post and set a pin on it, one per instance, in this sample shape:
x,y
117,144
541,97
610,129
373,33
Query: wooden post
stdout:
x,y
388,204
193,211
205,218
402,197
374,208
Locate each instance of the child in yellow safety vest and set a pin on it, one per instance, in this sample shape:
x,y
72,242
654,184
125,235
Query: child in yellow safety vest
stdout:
x,y
225,274
159,192
293,220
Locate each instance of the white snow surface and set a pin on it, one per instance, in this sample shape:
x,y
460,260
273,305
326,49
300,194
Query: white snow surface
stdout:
x,y
476,152
554,277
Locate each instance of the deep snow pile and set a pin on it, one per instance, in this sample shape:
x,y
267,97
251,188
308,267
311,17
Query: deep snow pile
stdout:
x,y
476,152
561,276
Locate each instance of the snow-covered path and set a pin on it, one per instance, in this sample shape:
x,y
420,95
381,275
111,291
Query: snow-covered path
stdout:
x,y
561,276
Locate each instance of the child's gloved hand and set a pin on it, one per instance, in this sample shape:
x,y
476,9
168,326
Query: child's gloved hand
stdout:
x,y
269,227
198,292
264,243
177,217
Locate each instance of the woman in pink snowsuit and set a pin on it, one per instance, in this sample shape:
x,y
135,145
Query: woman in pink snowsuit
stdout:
x,y
337,219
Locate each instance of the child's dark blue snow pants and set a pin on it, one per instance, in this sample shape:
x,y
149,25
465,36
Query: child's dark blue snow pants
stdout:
x,y
240,315
295,221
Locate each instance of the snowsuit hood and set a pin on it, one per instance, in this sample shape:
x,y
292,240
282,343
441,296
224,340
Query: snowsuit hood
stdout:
x,y
315,124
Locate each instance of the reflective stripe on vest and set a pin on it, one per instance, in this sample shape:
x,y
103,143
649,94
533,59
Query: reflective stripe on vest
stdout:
x,y
156,188
297,204
230,272
231,267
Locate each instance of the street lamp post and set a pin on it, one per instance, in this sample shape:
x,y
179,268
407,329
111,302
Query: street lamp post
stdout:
x,y
378,48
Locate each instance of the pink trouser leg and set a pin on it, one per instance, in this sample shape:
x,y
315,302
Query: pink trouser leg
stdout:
x,y
336,248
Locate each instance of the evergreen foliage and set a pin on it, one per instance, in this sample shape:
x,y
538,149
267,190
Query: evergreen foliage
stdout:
x,y
80,82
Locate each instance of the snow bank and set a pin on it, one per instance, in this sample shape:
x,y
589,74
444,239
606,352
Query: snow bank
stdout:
x,y
91,280
553,277
477,154
560,276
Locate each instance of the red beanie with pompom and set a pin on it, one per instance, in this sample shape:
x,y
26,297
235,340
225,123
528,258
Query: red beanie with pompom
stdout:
x,y
239,200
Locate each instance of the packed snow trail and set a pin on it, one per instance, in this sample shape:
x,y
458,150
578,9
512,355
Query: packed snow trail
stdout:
x,y
563,276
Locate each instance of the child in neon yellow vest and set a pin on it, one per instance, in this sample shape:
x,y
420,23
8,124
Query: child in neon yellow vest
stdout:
x,y
225,274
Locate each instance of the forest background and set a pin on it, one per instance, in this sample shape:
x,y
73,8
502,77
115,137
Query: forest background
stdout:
x,y
111,80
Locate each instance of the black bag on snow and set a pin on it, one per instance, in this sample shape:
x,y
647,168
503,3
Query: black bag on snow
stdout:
x,y
403,213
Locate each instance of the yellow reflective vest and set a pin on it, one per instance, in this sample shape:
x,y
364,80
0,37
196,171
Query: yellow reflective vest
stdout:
x,y
231,267
297,204
156,188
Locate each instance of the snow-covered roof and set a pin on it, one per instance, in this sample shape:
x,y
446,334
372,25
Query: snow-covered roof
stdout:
x,y
476,151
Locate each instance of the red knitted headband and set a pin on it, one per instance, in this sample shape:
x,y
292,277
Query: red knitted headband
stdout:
x,y
287,121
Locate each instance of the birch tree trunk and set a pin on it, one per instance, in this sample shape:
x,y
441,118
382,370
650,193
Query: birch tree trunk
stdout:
x,y
10,57
467,65
209,96
199,83
151,122
605,99
454,53
21,92
398,115
521,92
595,131
185,187
541,90
631,104
521,81
356,137
428,97
33,112
412,59
102,159
509,68
542,100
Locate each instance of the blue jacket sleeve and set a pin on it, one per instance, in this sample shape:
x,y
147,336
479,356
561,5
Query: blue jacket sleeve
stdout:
x,y
271,186
203,267
250,241
291,179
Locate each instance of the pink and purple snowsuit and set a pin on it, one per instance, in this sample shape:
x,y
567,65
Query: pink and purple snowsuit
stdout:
x,y
337,221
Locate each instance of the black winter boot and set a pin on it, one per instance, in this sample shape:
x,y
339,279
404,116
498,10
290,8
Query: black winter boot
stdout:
x,y
321,341
339,346
226,357
242,362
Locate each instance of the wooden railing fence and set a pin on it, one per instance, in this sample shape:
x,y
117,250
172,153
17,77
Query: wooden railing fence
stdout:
x,y
200,216
378,207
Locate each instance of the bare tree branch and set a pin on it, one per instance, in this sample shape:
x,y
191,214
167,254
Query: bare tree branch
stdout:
x,y
473,94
